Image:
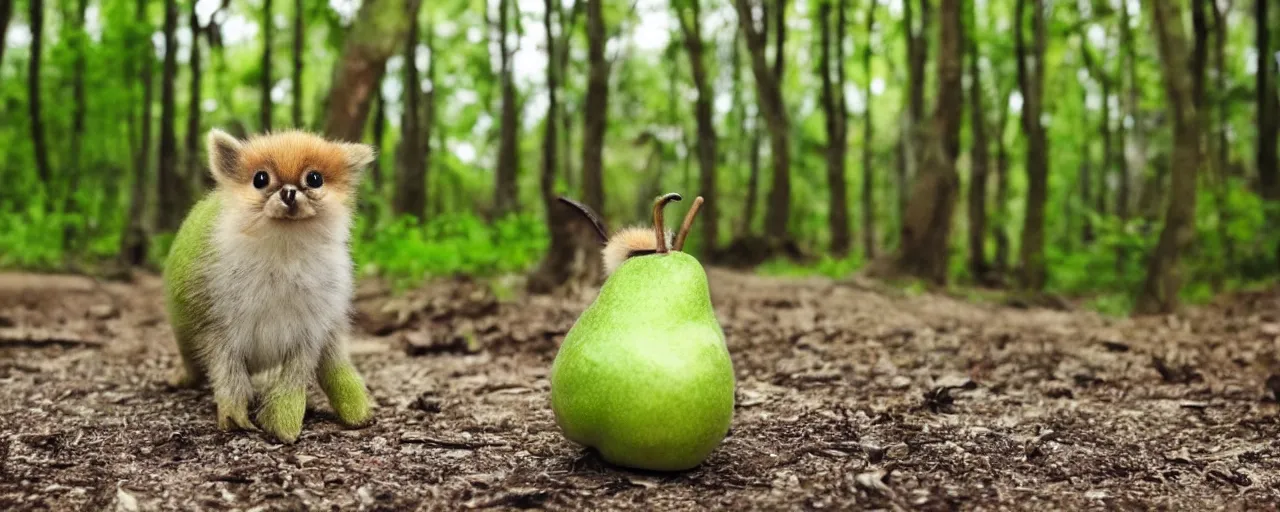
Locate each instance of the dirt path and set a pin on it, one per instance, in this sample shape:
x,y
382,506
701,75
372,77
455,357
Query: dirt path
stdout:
x,y
847,398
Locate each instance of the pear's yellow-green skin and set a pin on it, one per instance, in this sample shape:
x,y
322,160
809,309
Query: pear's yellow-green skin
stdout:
x,y
644,376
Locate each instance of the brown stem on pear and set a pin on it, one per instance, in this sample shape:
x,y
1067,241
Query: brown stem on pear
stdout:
x,y
590,215
658,226
688,222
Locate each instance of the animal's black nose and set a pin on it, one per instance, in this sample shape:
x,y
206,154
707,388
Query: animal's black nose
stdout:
x,y
289,195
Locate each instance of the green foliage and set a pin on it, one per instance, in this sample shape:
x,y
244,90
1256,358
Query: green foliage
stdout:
x,y
827,266
407,251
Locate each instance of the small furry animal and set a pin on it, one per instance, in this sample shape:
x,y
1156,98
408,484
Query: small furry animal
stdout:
x,y
637,240
260,276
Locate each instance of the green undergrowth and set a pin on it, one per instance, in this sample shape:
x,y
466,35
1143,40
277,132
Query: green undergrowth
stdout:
x,y
407,252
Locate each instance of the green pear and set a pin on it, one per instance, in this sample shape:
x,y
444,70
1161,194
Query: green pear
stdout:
x,y
644,376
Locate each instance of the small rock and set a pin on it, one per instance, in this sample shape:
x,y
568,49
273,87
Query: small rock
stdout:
x,y
897,451
125,502
103,312
900,382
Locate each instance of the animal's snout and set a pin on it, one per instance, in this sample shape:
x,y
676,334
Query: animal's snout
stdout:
x,y
289,195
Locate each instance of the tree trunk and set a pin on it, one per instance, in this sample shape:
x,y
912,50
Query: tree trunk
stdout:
x,y
1085,178
911,127
571,256
1108,149
771,104
1002,187
379,135
1220,133
506,189
980,157
595,109
427,125
173,189
1268,106
833,106
927,227
133,245
1128,47
753,179
36,21
378,31
868,178
1031,83
6,14
299,39
195,173
265,104
707,138
411,183
1160,292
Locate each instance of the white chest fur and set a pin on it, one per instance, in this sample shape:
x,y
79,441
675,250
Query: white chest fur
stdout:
x,y
281,292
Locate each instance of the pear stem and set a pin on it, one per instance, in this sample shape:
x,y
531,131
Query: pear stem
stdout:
x,y
688,222
658,227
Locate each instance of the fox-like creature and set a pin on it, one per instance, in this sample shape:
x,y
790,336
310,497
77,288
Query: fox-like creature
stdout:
x,y
259,280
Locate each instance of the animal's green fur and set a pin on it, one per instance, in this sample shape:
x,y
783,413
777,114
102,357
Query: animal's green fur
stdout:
x,y
345,389
185,287
282,411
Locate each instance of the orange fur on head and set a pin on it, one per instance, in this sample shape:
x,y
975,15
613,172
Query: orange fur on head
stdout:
x,y
633,241
287,158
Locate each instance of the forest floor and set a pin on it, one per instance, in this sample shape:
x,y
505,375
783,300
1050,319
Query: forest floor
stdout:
x,y
850,396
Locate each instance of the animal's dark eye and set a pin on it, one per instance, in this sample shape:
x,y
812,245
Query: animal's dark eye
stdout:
x,y
314,179
261,179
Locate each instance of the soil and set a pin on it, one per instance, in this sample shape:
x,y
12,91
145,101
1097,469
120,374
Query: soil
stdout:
x,y
850,396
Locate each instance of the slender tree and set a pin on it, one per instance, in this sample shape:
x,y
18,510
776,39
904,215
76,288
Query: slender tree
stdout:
x,y
1160,291
427,125
266,105
1031,85
596,108
568,259
6,14
133,245
377,32
837,124
1220,145
193,167
410,191
36,20
868,177
173,191
979,161
1002,186
1268,106
1131,136
379,136
299,39
506,189
769,94
689,14
926,228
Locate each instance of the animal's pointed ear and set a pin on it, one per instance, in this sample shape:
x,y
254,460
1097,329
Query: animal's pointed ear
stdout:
x,y
359,156
225,155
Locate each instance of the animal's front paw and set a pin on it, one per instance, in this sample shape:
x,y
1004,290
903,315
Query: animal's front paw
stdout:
x,y
281,414
354,411
233,414
347,395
